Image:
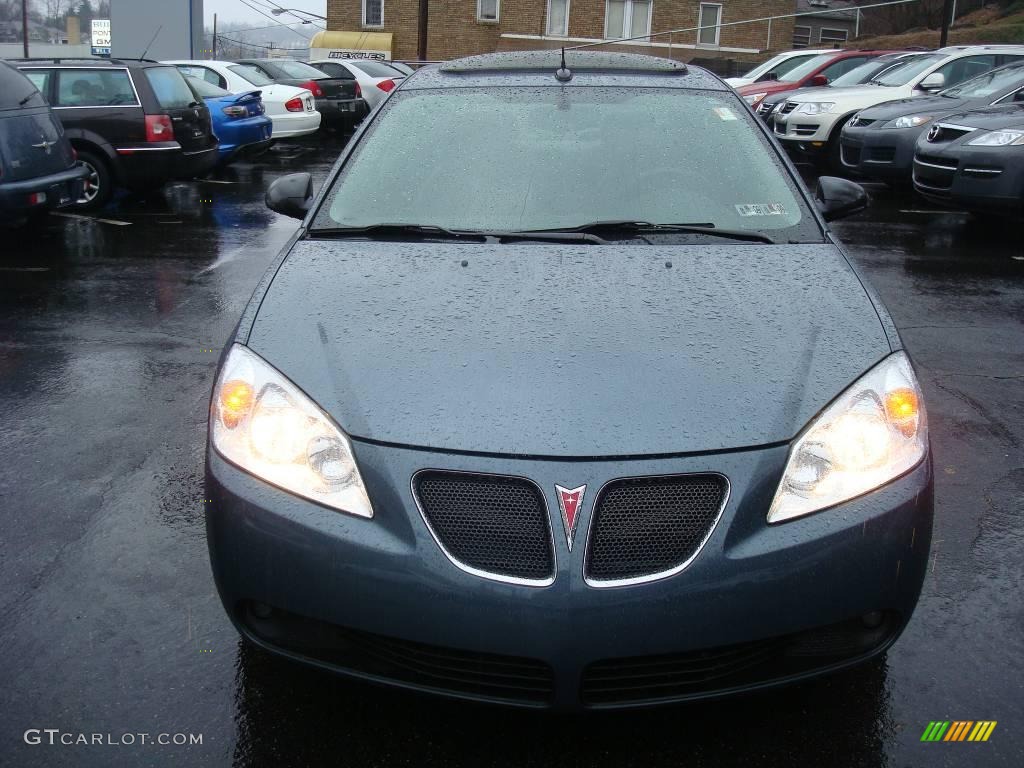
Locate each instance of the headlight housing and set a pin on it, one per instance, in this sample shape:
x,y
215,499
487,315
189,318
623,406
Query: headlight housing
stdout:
x,y
871,434
754,98
265,425
909,121
1003,138
816,107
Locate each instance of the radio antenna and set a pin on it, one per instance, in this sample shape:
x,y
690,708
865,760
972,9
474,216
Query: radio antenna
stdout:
x,y
152,40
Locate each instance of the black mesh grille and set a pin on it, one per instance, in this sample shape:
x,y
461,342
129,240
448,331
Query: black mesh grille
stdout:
x,y
494,524
644,526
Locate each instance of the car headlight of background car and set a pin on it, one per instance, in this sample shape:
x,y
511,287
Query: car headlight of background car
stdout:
x,y
908,121
754,98
1005,138
816,107
265,425
871,434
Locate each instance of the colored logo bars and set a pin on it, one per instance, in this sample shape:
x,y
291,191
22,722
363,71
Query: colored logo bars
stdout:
x,y
958,730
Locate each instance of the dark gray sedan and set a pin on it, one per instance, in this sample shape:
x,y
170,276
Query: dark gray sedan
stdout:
x,y
975,160
581,405
879,142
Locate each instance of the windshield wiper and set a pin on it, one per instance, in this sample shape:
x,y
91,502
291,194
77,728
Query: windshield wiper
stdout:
x,y
417,231
428,231
646,227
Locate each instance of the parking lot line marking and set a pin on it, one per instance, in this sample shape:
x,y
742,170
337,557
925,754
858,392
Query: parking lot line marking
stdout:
x,y
115,222
24,269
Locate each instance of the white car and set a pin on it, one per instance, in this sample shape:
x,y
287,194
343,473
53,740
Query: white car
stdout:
x,y
376,78
809,123
777,65
292,110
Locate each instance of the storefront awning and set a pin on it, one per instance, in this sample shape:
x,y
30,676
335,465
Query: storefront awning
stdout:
x,y
344,45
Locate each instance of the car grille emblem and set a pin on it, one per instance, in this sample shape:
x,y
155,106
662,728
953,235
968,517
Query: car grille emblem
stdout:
x,y
933,133
46,146
570,501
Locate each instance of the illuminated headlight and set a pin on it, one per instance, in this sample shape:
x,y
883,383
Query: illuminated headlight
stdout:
x,y
870,435
754,98
1004,138
816,107
909,121
262,423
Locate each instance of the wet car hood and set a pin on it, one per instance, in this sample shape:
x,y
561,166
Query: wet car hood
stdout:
x,y
939,105
535,349
990,118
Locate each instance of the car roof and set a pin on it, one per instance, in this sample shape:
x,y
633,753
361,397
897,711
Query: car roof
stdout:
x,y
539,67
86,61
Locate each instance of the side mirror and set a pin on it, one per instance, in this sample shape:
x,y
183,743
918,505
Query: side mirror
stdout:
x,y
1019,95
934,82
291,195
817,81
838,197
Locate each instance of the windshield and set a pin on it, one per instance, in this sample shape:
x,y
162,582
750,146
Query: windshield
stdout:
x,y
903,73
254,76
298,69
206,90
513,159
797,74
861,74
777,65
992,82
377,69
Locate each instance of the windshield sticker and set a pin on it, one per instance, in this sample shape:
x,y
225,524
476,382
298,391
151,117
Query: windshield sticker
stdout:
x,y
724,113
761,209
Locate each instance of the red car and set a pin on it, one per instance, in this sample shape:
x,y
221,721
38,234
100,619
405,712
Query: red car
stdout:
x,y
815,72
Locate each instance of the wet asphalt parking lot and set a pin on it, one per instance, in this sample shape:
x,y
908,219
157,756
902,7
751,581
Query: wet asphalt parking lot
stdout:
x,y
109,334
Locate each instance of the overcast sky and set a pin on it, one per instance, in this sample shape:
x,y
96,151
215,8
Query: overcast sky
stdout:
x,y
236,10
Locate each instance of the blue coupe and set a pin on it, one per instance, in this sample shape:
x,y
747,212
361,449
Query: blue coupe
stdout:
x,y
238,119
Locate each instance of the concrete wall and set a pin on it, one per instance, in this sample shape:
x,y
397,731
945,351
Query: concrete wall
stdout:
x,y
44,50
134,22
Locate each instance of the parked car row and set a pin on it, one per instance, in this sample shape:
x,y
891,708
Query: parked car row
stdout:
x,y
949,123
105,124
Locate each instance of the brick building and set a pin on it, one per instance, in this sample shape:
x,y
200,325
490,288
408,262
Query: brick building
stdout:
x,y
464,27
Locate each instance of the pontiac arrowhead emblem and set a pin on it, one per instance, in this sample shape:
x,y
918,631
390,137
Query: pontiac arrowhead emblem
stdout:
x,y
570,501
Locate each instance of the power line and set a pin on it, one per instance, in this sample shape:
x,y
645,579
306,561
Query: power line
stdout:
x,y
258,45
254,8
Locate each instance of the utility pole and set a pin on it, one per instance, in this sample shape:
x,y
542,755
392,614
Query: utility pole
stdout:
x,y
947,14
24,26
215,37
421,48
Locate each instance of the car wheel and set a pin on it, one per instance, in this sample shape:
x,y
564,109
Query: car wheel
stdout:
x,y
99,184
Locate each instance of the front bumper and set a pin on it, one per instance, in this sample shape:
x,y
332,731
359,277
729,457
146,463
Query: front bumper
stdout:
x,y
801,134
980,179
879,153
385,581
61,189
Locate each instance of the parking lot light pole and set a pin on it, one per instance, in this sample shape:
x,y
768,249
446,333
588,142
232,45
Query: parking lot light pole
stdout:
x,y
24,26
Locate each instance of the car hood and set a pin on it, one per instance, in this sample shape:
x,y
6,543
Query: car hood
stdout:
x,y
588,350
989,118
939,105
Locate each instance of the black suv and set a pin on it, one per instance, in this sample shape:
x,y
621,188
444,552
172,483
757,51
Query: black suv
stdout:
x,y
38,170
134,123
338,99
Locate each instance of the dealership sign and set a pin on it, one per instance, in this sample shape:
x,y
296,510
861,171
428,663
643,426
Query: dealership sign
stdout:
x,y
101,37
375,55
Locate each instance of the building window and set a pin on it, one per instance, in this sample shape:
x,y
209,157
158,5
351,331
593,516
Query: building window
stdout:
x,y
710,24
801,37
627,18
487,10
833,35
558,18
373,13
